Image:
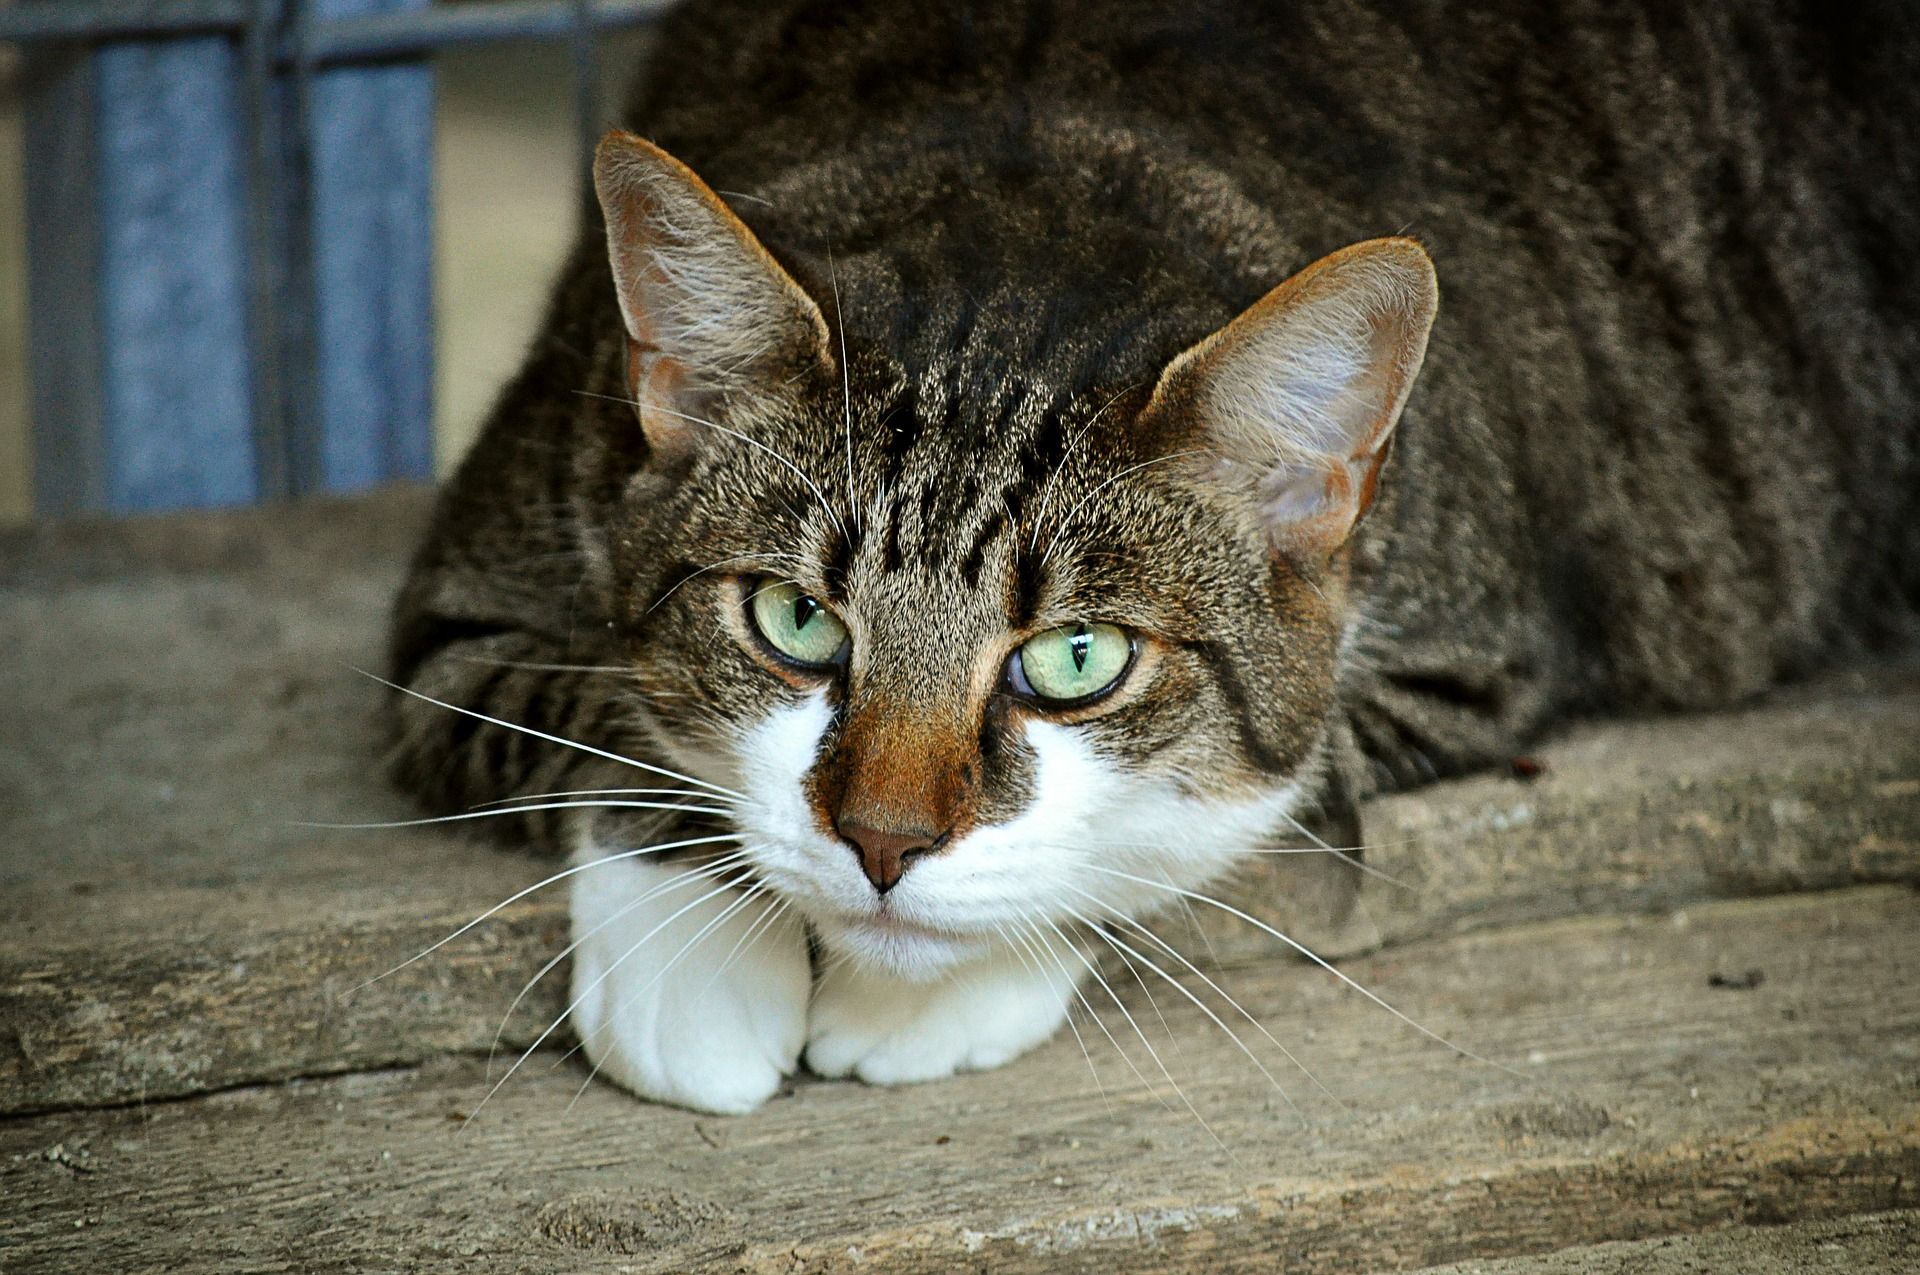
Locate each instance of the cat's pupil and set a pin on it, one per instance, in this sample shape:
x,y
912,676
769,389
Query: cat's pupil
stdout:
x,y
804,609
1080,644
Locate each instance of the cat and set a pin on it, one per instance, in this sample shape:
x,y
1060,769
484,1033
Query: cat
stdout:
x,y
971,484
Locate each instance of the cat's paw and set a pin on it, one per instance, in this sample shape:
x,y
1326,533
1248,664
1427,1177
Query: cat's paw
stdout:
x,y
890,1031
678,999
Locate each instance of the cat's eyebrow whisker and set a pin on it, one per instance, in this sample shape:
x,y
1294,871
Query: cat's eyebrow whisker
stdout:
x,y
1311,955
551,739
588,990
500,811
748,439
602,792
1066,522
562,875
705,869
536,666
1202,975
715,566
1046,488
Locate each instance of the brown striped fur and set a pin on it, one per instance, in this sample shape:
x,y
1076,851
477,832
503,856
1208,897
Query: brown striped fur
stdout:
x,y
1663,453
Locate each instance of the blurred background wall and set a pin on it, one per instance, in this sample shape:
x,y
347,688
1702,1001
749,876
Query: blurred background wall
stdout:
x,y
505,203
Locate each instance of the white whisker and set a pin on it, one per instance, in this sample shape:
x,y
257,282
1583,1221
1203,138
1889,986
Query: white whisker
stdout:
x,y
601,792
745,438
1313,956
501,811
553,739
620,1010
1128,950
1218,990
567,1013
577,868
705,870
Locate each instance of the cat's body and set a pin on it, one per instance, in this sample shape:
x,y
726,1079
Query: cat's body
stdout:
x,y
1663,453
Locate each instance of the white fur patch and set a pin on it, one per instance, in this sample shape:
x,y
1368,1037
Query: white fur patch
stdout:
x,y
963,965
890,1031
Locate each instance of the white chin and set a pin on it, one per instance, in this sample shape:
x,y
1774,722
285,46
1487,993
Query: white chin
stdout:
x,y
904,950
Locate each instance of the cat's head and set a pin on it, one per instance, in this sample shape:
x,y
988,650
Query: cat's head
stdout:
x,y
985,654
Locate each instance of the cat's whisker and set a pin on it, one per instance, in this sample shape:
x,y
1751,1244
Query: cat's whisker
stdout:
x,y
704,870
1346,854
1032,927
552,739
1311,955
1093,968
1046,488
601,792
715,566
562,875
1066,522
748,937
501,811
825,506
1202,975
1130,953
536,666
1022,951
579,999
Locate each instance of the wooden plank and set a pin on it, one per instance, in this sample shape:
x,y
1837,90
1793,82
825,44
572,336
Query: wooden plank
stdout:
x,y
1871,1242
1648,1102
150,793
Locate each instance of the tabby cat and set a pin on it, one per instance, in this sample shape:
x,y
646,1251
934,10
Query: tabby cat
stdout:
x,y
955,470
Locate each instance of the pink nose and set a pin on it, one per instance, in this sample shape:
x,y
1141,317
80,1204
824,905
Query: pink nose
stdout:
x,y
887,853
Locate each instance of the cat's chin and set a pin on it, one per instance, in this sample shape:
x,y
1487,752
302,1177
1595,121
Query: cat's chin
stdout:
x,y
883,943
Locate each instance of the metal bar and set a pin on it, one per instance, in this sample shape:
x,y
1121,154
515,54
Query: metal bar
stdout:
x,y
63,20
345,39
63,315
266,247
393,34
586,89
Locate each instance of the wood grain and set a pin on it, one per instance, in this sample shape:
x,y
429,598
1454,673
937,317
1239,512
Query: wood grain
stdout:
x,y
1643,1101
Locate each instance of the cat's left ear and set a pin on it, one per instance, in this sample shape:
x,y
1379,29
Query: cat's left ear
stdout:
x,y
1300,394
707,308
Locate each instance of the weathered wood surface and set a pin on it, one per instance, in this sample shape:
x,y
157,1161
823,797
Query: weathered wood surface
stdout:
x,y
1648,1102
178,693
1870,1242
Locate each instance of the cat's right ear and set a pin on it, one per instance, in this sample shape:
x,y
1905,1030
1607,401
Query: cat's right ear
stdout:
x,y
1297,398
707,308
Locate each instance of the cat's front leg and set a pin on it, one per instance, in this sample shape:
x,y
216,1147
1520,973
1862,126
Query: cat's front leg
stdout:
x,y
889,1030
684,991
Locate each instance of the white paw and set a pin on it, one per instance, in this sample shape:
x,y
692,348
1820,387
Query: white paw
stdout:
x,y
678,999
890,1031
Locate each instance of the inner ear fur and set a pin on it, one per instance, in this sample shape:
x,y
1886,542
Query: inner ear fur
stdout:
x,y
1299,395
707,309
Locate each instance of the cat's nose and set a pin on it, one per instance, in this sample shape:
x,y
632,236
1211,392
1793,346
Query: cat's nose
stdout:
x,y
887,853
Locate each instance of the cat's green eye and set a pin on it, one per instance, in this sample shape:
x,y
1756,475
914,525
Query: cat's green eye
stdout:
x,y
1073,662
797,624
